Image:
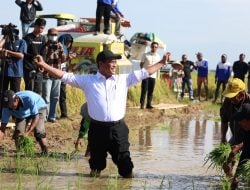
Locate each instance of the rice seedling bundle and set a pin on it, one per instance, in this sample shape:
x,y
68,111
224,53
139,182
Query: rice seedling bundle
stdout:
x,y
218,156
245,171
26,144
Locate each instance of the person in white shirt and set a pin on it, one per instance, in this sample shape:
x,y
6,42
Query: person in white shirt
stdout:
x,y
148,84
106,94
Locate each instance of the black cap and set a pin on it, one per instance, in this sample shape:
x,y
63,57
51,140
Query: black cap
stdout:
x,y
8,98
243,112
107,54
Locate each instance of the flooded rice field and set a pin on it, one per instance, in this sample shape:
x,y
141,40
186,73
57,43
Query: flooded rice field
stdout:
x,y
167,156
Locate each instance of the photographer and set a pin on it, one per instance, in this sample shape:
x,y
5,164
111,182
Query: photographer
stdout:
x,y
55,56
33,75
11,54
28,13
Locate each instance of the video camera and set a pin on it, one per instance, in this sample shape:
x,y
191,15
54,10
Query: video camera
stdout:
x,y
53,46
9,30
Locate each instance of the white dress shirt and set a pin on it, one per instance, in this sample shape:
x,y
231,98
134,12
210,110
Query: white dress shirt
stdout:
x,y
106,98
149,59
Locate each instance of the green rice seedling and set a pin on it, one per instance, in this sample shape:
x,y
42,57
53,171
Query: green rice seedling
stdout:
x,y
162,183
218,156
26,145
244,171
216,118
145,185
226,184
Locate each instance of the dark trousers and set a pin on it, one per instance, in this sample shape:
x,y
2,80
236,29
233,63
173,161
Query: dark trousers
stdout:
x,y
12,82
62,100
33,81
109,137
147,87
218,84
102,10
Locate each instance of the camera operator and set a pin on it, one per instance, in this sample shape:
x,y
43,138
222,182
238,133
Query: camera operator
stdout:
x,y
28,13
33,75
11,54
55,56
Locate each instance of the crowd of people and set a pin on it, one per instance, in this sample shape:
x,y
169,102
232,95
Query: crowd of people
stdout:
x,y
179,75
41,61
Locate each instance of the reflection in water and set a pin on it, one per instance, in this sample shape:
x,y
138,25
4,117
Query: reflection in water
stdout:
x,y
178,151
165,158
145,137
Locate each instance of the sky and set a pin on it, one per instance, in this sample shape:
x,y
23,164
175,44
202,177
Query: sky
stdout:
x,y
212,27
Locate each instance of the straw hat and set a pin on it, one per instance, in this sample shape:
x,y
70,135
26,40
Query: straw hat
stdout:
x,y
177,65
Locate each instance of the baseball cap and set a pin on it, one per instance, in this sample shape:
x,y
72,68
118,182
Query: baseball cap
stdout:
x,y
243,112
8,98
234,86
107,54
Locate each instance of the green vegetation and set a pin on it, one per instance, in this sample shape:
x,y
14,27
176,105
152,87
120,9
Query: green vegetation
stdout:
x,y
218,156
26,145
44,170
164,126
245,171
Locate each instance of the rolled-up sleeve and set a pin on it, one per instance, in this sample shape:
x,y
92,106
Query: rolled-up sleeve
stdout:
x,y
70,78
137,76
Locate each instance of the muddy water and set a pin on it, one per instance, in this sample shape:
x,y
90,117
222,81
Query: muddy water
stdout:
x,y
168,156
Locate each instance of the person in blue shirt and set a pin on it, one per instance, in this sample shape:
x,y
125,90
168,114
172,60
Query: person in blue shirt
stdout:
x,y
222,74
26,107
12,52
103,8
117,15
201,65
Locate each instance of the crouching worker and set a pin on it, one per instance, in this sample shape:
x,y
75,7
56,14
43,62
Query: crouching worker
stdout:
x,y
243,117
84,128
26,107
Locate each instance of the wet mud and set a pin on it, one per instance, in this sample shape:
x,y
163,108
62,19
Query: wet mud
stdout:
x,y
168,153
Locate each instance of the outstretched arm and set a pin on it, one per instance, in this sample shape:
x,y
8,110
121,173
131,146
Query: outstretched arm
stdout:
x,y
155,67
52,71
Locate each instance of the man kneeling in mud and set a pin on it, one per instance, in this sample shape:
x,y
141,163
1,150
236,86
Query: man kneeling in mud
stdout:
x,y
26,107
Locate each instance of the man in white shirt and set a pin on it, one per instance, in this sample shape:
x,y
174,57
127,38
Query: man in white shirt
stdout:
x,y
106,94
148,84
